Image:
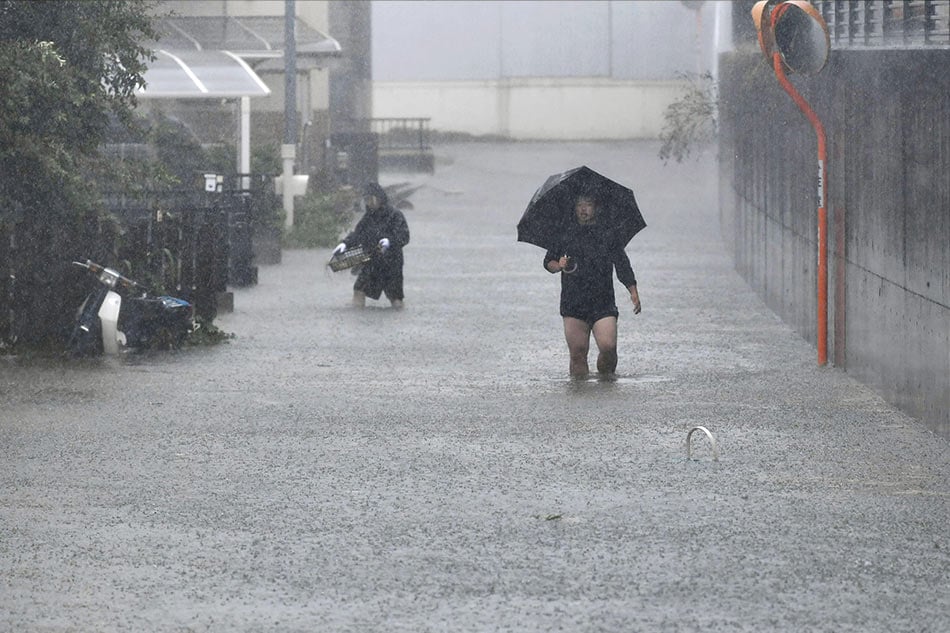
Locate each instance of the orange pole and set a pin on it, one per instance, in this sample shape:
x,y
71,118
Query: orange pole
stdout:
x,y
822,212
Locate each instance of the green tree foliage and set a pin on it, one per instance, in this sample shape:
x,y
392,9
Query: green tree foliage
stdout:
x,y
66,69
690,122
321,218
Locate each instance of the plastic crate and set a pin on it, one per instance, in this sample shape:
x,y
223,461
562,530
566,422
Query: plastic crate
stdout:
x,y
349,258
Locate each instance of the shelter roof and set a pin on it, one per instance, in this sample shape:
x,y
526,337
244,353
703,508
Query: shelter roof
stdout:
x,y
207,57
193,74
250,37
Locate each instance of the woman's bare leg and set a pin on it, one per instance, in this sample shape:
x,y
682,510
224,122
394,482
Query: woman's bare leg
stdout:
x,y
394,300
605,335
577,335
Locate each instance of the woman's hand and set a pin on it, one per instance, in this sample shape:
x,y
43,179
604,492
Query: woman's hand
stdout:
x,y
635,299
564,265
567,264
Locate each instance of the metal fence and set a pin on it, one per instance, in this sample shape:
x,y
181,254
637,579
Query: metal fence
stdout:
x,y
887,23
401,133
403,142
171,226
186,243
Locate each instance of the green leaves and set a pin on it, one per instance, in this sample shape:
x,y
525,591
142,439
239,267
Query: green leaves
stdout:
x,y
690,121
66,68
319,219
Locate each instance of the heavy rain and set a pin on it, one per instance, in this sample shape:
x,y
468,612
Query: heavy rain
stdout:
x,y
769,454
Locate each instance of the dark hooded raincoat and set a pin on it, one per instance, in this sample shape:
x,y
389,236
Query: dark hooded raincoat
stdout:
x,y
383,273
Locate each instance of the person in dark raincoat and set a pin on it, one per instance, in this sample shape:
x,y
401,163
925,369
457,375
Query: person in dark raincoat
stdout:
x,y
587,259
382,230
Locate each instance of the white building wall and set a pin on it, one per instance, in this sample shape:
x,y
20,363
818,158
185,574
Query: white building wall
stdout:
x,y
533,109
462,106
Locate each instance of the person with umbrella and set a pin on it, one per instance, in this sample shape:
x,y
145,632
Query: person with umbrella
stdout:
x,y
587,260
584,221
382,230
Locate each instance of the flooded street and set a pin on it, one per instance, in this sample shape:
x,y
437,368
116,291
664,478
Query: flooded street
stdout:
x,y
434,469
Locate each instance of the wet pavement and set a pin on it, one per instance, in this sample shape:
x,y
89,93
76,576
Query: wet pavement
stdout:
x,y
433,469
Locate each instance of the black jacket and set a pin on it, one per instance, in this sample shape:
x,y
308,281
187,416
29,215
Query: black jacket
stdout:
x,y
388,222
597,256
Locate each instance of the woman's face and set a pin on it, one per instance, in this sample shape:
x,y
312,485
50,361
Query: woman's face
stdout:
x,y
584,209
371,202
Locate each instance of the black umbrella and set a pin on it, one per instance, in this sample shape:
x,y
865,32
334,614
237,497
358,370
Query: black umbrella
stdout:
x,y
550,214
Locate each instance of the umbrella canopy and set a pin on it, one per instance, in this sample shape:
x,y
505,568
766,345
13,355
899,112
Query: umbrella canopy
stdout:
x,y
550,213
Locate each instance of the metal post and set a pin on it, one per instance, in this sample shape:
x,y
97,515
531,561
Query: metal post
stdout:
x,y
290,73
822,317
288,150
244,166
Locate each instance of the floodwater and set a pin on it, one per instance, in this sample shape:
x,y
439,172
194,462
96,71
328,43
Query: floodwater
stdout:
x,y
435,469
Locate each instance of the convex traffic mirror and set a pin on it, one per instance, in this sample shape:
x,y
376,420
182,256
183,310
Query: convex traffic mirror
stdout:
x,y
794,29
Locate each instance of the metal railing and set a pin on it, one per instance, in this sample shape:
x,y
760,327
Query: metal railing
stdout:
x,y
403,142
411,133
887,23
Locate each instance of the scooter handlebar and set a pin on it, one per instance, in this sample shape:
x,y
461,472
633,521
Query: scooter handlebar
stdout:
x,y
89,265
108,276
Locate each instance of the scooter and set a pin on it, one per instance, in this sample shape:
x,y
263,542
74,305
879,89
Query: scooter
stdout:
x,y
120,314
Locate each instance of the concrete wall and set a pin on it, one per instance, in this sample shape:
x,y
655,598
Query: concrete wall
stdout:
x,y
887,117
533,109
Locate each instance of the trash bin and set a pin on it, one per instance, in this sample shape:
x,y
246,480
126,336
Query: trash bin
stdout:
x,y
241,269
